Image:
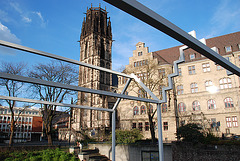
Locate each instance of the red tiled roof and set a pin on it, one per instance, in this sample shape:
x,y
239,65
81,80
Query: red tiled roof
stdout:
x,y
168,56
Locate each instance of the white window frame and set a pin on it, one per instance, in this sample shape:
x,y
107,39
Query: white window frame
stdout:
x,y
228,49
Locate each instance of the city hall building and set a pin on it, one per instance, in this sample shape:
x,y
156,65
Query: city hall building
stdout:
x,y
203,92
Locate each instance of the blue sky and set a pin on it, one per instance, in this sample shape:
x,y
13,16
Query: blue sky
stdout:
x,y
54,25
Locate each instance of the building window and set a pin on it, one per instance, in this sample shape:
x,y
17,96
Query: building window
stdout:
x,y
211,104
214,124
228,122
135,64
192,56
196,106
160,90
134,125
146,126
135,110
142,94
181,107
143,110
191,70
228,49
234,121
143,62
151,109
206,67
165,126
194,87
180,89
161,72
225,83
179,71
228,102
208,85
140,126
164,107
139,53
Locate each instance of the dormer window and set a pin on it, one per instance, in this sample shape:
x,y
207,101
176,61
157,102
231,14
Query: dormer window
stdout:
x,y
228,49
192,56
139,53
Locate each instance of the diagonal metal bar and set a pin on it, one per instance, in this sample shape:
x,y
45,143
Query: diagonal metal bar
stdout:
x,y
150,17
144,87
70,87
53,103
42,53
123,91
114,120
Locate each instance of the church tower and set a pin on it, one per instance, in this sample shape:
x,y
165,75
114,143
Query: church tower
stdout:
x,y
95,48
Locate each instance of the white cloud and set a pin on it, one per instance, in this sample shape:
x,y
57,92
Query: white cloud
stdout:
x,y
16,7
225,17
42,21
6,35
27,19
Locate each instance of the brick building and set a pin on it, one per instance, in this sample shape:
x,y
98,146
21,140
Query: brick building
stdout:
x,y
28,125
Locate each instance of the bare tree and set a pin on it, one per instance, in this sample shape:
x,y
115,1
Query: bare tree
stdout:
x,y
54,71
149,75
13,89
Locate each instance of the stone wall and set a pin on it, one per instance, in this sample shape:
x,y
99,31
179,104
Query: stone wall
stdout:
x,y
188,152
131,152
172,152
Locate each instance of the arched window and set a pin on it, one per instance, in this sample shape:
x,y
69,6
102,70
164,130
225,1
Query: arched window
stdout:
x,y
164,107
135,110
194,87
196,106
225,83
228,102
143,109
211,104
181,107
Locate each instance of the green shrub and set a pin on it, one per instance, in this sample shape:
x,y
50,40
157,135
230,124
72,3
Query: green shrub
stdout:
x,y
44,155
128,136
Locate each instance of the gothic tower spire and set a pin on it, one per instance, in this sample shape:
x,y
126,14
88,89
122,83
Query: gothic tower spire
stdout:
x,y
95,49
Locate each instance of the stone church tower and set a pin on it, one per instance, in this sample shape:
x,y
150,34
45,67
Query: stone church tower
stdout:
x,y
96,45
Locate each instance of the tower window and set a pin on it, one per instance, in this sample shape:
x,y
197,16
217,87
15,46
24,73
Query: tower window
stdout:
x,y
140,53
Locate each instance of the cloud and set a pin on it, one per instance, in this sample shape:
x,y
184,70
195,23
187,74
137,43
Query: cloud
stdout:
x,y
42,21
26,16
16,7
6,35
27,19
225,17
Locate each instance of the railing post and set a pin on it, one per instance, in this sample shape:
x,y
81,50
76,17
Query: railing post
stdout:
x,y
113,134
160,140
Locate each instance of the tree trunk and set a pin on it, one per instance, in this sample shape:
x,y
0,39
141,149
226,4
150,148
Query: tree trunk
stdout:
x,y
49,136
152,129
12,132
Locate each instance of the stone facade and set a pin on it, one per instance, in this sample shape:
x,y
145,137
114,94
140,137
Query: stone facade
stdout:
x,y
203,93
95,43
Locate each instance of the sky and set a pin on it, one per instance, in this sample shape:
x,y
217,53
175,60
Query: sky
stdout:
x,y
54,26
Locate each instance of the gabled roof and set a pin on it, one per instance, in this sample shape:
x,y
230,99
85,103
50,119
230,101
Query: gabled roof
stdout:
x,y
168,56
